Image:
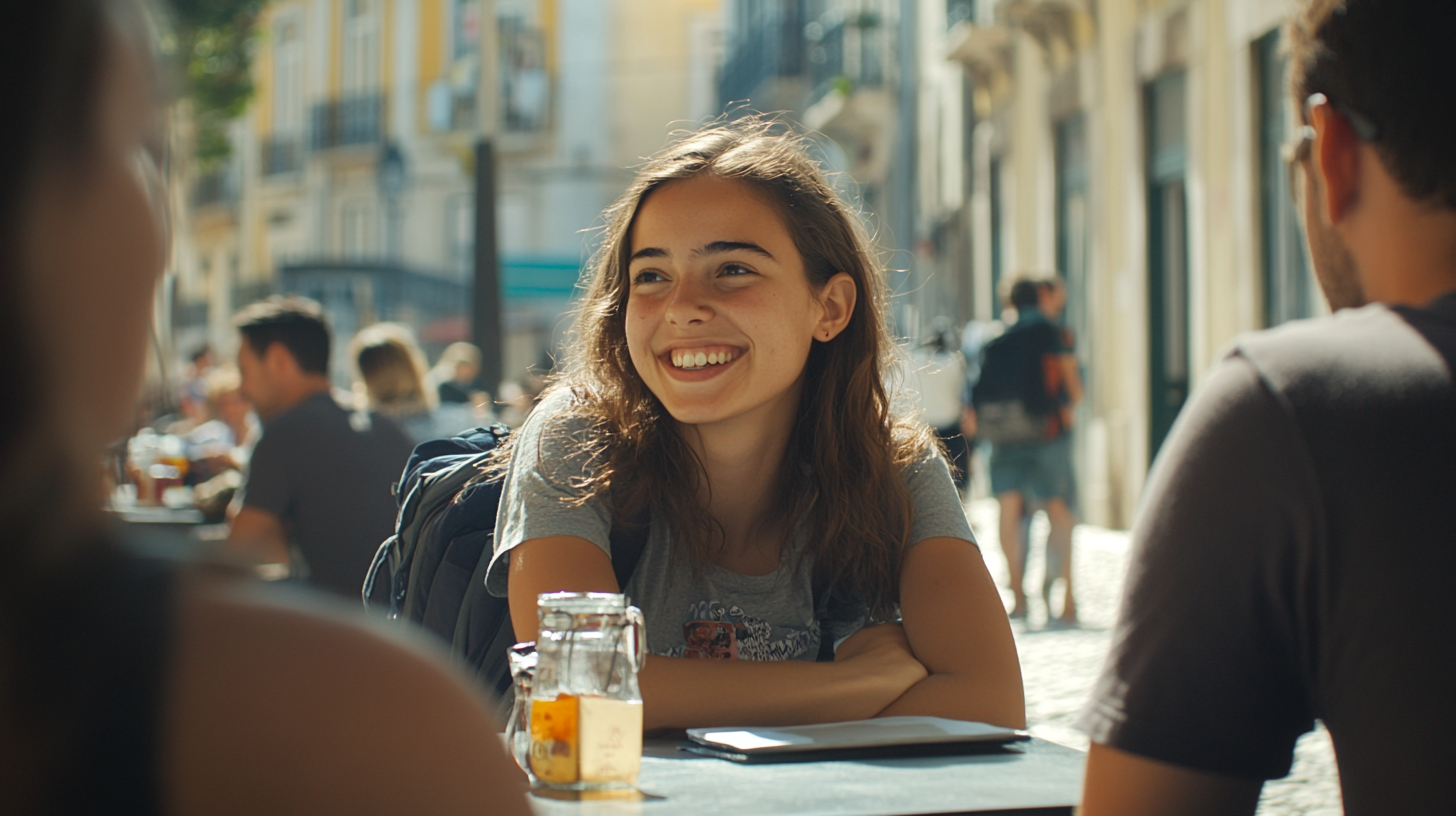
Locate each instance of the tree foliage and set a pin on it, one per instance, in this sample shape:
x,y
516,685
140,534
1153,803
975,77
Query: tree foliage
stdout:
x,y
214,41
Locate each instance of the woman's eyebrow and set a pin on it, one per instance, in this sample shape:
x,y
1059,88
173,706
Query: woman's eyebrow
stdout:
x,y
648,252
715,248
718,247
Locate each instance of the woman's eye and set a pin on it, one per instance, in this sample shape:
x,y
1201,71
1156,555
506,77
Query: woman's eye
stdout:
x,y
735,270
648,276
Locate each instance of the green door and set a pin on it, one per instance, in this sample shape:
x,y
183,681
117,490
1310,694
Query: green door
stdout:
x,y
1290,290
1168,335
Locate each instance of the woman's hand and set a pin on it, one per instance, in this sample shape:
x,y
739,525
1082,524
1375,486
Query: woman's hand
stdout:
x,y
882,654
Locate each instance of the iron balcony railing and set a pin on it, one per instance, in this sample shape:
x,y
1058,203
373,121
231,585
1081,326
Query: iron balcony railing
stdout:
x,y
281,155
352,120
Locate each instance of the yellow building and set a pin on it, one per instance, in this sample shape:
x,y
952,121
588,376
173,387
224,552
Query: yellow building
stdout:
x,y
352,179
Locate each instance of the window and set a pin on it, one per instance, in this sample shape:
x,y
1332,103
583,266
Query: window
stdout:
x,y
1071,214
359,231
524,84
1289,288
959,11
361,47
460,233
997,247
287,76
1168,332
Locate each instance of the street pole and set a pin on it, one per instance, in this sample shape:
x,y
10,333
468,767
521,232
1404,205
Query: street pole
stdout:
x,y
486,322
486,295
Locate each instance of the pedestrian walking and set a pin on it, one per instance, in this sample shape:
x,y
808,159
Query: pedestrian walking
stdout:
x,y
1023,401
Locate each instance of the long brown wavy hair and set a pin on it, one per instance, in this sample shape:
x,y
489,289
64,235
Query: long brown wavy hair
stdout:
x,y
842,472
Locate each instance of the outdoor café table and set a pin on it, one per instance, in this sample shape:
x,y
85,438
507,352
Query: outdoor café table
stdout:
x,y
1031,777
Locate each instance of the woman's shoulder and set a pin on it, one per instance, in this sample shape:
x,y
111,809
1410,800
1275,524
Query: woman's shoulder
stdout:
x,y
311,700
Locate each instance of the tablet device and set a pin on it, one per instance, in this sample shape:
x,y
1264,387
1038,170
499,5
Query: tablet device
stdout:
x,y
883,737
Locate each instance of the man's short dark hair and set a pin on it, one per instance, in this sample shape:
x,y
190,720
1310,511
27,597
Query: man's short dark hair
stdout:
x,y
296,322
1391,62
1023,291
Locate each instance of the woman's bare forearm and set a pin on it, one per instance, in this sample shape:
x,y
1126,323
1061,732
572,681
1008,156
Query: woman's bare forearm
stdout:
x,y
962,698
680,693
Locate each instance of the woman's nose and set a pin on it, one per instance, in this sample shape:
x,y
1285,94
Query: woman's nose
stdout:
x,y
691,302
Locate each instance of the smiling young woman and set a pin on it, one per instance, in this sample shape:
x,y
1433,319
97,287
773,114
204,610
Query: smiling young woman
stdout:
x,y
727,380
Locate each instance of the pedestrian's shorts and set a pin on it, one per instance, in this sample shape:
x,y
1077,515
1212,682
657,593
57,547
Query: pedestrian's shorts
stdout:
x,y
1040,471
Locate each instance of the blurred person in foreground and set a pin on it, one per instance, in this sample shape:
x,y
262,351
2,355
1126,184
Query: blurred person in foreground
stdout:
x,y
1294,557
320,484
132,685
390,369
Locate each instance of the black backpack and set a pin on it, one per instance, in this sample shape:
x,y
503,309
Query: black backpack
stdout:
x,y
1011,400
442,545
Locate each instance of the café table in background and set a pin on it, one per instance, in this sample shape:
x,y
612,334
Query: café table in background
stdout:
x,y
1031,777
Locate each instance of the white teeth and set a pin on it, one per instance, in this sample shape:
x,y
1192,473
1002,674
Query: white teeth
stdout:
x,y
695,360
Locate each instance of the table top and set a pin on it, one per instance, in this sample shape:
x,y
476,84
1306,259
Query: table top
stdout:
x,y
1034,776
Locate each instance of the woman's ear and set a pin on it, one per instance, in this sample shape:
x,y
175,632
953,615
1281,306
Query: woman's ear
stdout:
x,y
836,301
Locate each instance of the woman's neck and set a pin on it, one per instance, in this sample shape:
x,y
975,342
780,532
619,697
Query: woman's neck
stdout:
x,y
743,458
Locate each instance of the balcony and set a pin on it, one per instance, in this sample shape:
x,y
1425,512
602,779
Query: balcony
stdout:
x,y
218,187
282,155
347,122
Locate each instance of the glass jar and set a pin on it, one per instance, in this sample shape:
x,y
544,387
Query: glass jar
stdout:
x,y
522,659
586,707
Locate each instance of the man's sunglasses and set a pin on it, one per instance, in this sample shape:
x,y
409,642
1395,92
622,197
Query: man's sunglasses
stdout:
x,y
1296,151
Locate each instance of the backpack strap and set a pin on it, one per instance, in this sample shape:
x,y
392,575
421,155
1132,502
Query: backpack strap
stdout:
x,y
627,543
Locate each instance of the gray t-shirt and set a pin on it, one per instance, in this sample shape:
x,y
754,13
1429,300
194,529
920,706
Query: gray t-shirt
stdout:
x,y
723,613
328,475
1293,561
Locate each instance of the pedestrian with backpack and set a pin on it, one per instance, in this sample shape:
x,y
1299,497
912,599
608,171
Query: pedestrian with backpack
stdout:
x,y
1023,404
726,393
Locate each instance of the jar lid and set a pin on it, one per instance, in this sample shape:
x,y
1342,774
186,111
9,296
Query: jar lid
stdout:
x,y
579,603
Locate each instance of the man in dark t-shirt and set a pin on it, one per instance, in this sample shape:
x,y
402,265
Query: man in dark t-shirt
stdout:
x,y
319,487
1294,558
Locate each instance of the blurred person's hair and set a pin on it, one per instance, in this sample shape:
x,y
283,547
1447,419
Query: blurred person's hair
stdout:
x,y
842,473
52,54
447,367
458,353
198,353
219,382
1390,63
389,363
296,322
1023,289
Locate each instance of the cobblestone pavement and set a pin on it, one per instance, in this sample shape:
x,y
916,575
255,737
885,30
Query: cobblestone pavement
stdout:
x,y
1059,666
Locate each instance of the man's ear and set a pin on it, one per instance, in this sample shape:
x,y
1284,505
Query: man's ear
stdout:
x,y
278,360
1337,152
837,300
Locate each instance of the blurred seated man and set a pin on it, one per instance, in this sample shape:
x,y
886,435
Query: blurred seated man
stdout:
x,y
1295,554
320,481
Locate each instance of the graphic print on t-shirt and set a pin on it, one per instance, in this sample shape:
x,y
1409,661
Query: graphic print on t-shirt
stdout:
x,y
752,636
712,640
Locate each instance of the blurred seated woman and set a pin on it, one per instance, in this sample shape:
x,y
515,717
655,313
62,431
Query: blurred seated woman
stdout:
x,y
390,372
130,684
